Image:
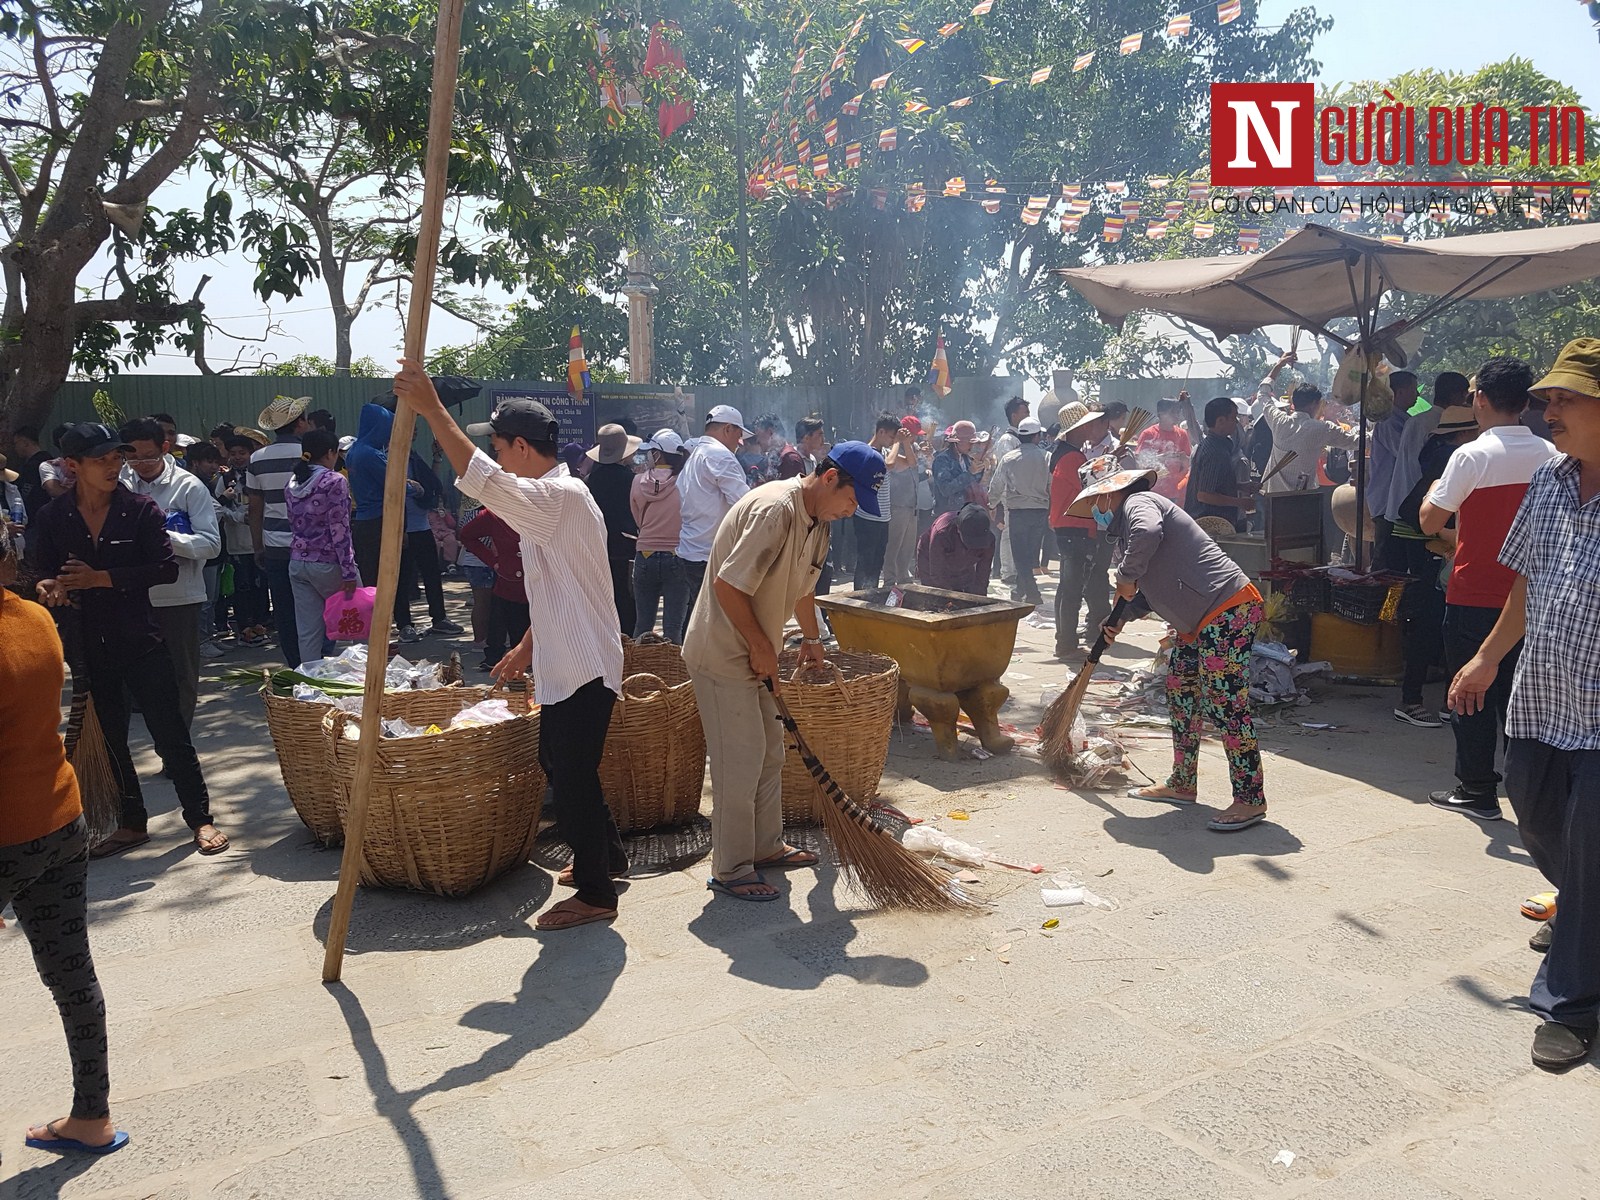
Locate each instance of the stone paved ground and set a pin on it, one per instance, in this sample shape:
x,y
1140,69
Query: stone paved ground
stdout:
x,y
1345,983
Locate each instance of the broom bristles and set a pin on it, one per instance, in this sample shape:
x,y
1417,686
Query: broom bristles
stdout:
x,y
1056,747
1138,421
874,863
98,786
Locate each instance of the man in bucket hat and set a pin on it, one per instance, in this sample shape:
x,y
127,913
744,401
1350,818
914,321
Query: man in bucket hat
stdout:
x,y
1552,764
1162,556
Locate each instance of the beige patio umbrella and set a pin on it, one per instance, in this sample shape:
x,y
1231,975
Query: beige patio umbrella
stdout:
x,y
1318,274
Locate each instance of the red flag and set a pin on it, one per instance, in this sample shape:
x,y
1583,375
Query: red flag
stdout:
x,y
662,56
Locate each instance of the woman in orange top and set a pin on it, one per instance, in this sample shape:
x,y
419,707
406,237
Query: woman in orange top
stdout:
x,y
44,857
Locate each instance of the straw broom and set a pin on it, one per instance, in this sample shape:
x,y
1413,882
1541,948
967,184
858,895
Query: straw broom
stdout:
x,y
1138,421
889,874
85,742
1055,730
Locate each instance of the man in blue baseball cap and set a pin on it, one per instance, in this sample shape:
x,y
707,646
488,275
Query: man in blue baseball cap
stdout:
x,y
765,559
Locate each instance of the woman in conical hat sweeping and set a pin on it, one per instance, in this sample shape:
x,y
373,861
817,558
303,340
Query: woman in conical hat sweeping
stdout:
x,y
1163,558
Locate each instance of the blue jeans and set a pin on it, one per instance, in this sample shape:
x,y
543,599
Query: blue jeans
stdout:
x,y
282,592
659,578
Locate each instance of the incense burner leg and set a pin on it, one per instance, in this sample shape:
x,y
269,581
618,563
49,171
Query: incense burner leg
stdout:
x,y
942,709
982,702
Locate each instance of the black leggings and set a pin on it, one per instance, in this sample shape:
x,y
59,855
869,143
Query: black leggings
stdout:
x,y
44,880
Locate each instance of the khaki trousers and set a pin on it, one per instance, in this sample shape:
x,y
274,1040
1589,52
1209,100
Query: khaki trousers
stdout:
x,y
745,745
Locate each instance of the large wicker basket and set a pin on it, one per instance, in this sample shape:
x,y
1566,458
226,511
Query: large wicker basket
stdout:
x,y
298,738
654,765
450,811
846,712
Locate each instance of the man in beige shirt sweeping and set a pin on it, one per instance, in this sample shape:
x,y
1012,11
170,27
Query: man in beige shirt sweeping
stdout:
x,y
764,564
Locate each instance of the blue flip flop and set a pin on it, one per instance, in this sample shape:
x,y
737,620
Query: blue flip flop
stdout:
x,y
1235,826
791,858
63,1145
716,885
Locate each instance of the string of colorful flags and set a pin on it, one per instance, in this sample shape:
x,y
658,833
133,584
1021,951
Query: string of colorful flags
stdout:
x,y
813,155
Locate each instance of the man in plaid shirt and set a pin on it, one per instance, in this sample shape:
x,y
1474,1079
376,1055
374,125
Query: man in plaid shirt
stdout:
x,y
1552,765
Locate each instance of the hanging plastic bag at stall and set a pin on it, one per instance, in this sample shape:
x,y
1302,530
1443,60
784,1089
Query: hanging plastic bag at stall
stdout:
x,y
1346,389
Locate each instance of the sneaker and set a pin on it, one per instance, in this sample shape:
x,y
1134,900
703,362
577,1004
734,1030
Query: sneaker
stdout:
x,y
1446,716
211,650
1416,714
410,633
1539,943
1557,1047
445,629
1480,808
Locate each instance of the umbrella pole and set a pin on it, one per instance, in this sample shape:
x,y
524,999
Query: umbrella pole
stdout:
x,y
446,53
1368,323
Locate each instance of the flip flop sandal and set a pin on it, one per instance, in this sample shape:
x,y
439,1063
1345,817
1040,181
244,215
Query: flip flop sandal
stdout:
x,y
790,858
63,1145
565,877
1540,906
1235,826
112,846
214,848
716,885
576,920
1172,797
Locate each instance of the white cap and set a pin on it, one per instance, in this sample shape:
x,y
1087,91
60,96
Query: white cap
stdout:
x,y
347,441
665,440
727,414
1029,425
185,440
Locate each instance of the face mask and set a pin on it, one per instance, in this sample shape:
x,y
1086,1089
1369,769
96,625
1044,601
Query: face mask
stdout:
x,y
1102,520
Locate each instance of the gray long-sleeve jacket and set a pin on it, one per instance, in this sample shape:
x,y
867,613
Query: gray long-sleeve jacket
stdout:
x,y
1179,569
1022,480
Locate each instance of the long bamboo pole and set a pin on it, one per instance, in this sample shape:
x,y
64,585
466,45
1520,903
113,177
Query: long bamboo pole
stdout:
x,y
446,55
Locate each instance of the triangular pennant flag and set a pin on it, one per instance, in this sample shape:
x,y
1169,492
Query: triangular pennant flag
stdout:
x,y
1113,229
799,61
1070,222
830,131
1039,202
910,45
856,27
981,9
1243,191
961,103
1117,187
949,30
838,59
993,206
1070,190
915,201
1283,193
1081,205
1199,189
803,148
916,106
1228,11
1203,230
886,139
837,196
1030,216
955,186
1156,230
852,154
852,106
811,110
1392,238
790,174
1082,61
826,89
1179,25
1040,75
880,197
994,80
1131,43
1249,239
804,25
1173,210
1542,193
1157,181
881,82
819,165
939,374
1130,208
794,131
1500,187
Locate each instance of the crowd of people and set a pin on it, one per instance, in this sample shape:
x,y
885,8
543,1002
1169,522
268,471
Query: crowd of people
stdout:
x,y
150,548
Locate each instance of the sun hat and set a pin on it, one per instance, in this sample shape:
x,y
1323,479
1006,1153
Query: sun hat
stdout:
x,y
1070,413
1029,425
284,410
1216,527
665,440
1086,416
1456,418
1102,476
727,414
255,435
962,429
613,443
1577,369
974,527
90,439
866,469
519,417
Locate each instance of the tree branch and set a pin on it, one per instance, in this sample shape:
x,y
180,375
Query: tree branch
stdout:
x,y
130,308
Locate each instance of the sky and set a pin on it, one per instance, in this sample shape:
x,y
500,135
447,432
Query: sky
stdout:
x,y
1370,39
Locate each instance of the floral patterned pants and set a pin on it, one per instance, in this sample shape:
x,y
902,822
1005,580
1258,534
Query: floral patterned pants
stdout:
x,y
1210,677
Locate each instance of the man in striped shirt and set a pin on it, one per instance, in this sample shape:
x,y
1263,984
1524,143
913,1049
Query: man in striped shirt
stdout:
x,y
573,645
269,472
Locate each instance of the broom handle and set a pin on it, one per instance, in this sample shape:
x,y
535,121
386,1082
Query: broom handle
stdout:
x,y
446,64
1114,620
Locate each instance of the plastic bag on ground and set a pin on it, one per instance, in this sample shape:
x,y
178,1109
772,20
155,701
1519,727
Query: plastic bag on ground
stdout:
x,y
1069,892
924,839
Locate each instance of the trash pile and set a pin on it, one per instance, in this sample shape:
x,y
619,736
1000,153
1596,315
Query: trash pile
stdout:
x,y
350,669
485,712
1276,677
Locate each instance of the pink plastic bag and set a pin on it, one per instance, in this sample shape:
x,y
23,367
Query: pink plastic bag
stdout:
x,y
349,620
